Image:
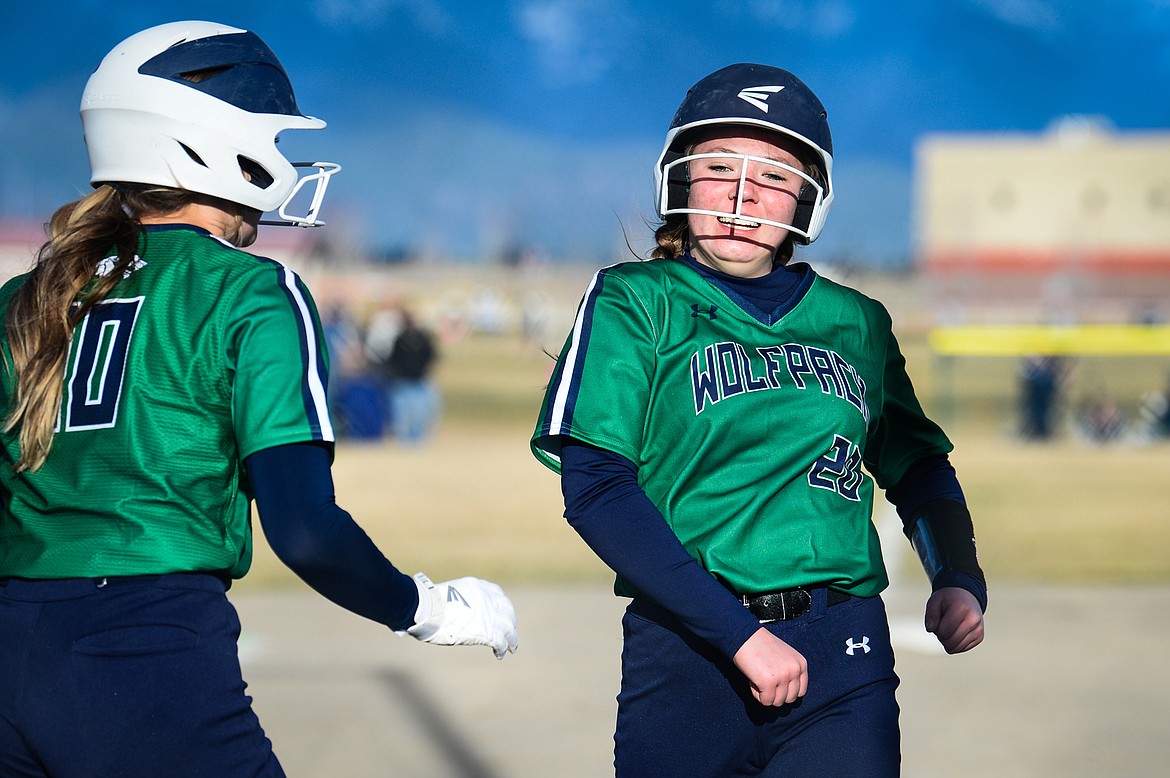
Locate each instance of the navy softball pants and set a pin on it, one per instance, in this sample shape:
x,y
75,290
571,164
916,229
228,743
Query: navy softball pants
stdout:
x,y
137,677
684,709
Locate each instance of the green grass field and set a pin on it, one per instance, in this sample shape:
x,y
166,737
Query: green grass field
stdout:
x,y
474,500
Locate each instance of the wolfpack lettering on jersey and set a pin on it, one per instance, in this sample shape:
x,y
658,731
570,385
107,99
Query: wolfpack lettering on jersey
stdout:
x,y
670,371
723,370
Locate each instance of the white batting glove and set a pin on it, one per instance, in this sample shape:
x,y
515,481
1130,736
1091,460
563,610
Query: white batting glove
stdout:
x,y
464,612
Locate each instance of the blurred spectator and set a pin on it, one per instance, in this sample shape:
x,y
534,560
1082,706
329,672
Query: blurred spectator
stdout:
x,y
355,402
344,341
1101,421
1163,425
488,312
413,398
381,331
1154,412
1041,381
382,328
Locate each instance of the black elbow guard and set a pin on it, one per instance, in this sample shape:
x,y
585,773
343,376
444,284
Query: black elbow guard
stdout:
x,y
943,535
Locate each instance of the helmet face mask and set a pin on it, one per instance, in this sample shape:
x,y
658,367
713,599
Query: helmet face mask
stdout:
x,y
744,97
192,106
320,181
811,193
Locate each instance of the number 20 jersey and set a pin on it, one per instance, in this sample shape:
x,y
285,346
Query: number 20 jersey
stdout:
x,y
200,356
750,437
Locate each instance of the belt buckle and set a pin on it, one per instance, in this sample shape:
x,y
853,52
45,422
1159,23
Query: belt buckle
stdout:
x,y
800,607
790,602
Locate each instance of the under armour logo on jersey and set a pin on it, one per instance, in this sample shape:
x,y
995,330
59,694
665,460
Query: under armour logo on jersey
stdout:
x,y
758,95
850,646
695,311
453,595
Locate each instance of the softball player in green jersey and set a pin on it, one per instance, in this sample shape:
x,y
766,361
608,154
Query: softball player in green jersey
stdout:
x,y
157,380
719,416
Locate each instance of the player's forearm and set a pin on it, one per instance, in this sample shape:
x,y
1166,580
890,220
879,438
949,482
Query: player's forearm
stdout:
x,y
943,535
320,542
613,515
934,514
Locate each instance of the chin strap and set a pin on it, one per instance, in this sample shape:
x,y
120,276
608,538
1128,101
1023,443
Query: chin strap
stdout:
x,y
943,535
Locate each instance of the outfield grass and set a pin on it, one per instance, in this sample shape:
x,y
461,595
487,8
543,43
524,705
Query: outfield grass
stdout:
x,y
1068,512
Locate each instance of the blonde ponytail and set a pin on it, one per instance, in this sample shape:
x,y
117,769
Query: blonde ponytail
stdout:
x,y
60,290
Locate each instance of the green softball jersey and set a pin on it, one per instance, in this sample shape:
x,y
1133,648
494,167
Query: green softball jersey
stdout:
x,y
201,355
750,437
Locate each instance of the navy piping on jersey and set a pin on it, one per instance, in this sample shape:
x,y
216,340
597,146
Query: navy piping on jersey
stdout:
x,y
565,398
312,352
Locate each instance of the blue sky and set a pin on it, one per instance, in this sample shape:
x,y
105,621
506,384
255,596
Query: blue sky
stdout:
x,y
468,127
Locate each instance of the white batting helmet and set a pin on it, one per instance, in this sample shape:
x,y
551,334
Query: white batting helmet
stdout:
x,y
190,105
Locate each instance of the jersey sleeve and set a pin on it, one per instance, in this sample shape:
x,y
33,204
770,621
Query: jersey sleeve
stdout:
x,y
278,364
600,387
902,433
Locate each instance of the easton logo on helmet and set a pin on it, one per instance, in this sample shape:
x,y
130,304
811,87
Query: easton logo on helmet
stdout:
x,y
758,95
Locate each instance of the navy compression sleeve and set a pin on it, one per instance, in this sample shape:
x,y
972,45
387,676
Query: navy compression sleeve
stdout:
x,y
319,541
929,478
613,515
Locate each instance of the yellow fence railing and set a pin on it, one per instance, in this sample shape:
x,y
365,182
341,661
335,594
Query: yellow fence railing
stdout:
x,y
1036,340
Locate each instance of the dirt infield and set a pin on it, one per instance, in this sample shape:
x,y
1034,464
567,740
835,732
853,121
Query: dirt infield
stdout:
x,y
1071,682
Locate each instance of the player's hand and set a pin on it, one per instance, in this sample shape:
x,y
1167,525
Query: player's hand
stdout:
x,y
954,616
777,672
465,612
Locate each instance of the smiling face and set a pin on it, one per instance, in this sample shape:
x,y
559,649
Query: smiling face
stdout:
x,y
749,176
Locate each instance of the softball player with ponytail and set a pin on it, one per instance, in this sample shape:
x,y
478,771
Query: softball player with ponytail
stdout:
x,y
157,379
718,416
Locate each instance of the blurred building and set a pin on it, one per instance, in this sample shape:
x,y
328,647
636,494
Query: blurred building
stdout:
x,y
1072,224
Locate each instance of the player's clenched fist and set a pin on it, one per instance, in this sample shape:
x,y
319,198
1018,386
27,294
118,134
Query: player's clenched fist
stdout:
x,y
464,612
955,618
777,672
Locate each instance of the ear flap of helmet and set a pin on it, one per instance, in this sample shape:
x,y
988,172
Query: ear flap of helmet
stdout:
x,y
805,208
812,206
676,187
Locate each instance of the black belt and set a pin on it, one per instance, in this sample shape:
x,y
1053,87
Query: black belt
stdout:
x,y
53,589
786,604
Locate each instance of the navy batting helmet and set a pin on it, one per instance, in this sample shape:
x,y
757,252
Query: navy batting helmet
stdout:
x,y
756,96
